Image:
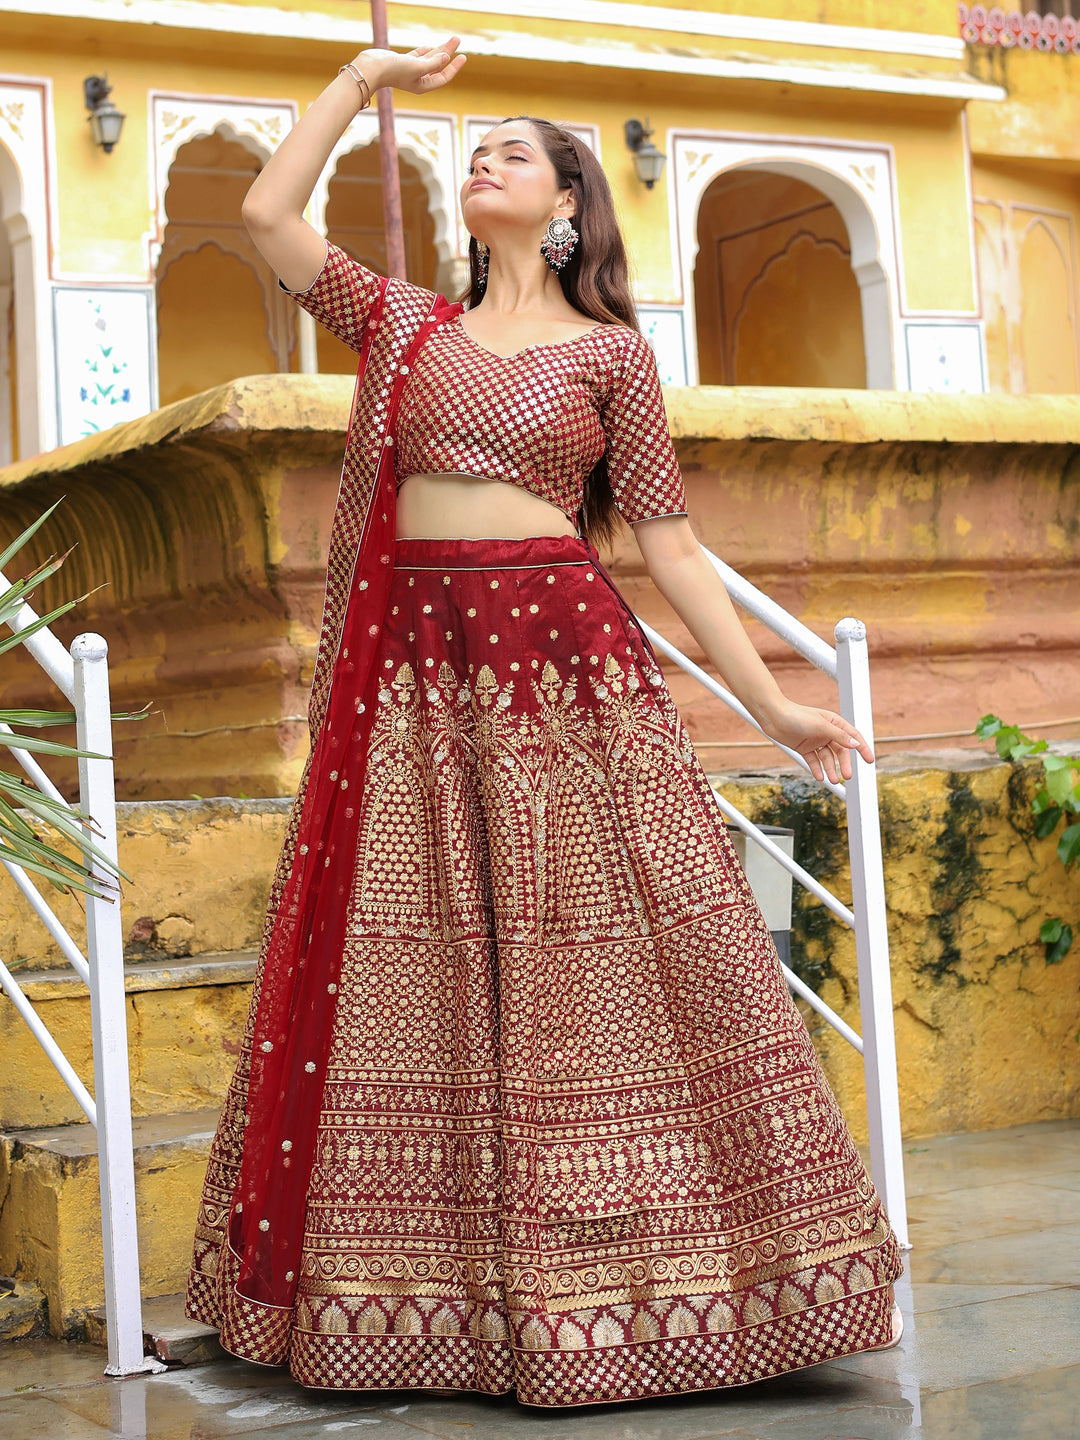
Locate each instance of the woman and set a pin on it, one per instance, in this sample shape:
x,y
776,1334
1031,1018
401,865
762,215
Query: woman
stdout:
x,y
523,1100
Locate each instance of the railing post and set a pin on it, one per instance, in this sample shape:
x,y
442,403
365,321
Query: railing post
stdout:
x,y
108,1017
871,934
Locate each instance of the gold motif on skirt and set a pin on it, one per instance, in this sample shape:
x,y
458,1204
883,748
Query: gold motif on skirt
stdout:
x,y
574,1134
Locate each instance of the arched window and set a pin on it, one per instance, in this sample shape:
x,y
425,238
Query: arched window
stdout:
x,y
354,220
777,302
22,429
220,312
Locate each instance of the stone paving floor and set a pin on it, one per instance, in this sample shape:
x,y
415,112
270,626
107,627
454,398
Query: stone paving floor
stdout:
x,y
991,1349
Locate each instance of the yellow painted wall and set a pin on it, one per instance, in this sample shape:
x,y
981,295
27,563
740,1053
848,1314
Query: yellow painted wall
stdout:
x,y
984,1027
1027,220
938,16
195,348
934,16
926,137
1041,120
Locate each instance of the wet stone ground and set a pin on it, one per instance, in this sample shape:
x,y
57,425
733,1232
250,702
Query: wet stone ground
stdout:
x,y
991,1349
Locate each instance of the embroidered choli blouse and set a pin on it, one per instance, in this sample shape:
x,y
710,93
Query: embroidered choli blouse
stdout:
x,y
540,419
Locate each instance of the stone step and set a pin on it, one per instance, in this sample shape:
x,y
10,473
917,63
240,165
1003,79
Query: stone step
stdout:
x,y
167,1332
50,1223
185,1019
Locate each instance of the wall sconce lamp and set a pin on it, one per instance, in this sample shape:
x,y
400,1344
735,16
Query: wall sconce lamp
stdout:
x,y
648,161
105,120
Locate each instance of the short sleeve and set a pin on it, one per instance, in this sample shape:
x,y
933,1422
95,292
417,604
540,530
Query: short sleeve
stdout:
x,y
642,466
341,296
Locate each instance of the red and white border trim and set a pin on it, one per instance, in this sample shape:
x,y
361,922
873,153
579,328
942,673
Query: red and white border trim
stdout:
x,y
981,25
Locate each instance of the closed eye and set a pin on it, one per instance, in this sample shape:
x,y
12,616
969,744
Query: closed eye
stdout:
x,y
509,157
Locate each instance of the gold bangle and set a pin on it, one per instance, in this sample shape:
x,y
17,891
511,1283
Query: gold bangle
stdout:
x,y
365,88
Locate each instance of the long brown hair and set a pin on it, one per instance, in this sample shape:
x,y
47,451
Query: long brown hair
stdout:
x,y
595,280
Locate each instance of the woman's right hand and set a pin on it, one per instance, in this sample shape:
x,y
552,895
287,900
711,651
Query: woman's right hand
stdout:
x,y
426,68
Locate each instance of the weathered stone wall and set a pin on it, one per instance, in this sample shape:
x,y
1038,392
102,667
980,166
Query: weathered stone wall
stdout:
x,y
987,1033
949,524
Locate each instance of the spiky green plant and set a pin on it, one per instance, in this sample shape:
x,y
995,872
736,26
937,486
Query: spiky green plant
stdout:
x,y
29,819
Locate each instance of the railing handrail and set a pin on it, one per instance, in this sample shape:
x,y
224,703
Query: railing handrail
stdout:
x,y
43,646
848,665
83,678
755,602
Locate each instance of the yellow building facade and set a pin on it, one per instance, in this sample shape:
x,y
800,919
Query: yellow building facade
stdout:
x,y
855,193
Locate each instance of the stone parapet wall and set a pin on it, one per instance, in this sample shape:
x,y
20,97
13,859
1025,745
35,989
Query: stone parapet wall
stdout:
x,y
949,524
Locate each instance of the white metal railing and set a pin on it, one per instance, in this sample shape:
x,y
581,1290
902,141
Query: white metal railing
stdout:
x,y
849,666
83,677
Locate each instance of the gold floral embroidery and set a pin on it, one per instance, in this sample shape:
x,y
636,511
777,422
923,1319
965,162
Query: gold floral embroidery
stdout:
x,y
573,1125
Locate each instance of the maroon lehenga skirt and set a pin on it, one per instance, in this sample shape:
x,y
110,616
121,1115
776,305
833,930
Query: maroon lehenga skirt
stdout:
x,y
574,1139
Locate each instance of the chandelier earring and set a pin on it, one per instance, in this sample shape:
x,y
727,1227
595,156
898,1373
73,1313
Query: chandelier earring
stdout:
x,y
482,253
558,243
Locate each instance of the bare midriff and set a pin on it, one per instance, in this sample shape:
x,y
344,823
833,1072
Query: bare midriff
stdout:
x,y
454,506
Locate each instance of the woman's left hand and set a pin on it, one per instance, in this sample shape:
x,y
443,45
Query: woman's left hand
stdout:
x,y
824,739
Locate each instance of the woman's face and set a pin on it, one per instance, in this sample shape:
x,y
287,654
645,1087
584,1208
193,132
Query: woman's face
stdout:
x,y
511,181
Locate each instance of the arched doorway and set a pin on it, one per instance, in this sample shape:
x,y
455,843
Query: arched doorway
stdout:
x,y
355,221
220,312
21,431
776,299
9,355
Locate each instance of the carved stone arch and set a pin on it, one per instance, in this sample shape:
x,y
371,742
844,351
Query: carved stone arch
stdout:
x,y
25,294
277,315
856,179
866,262
428,142
259,126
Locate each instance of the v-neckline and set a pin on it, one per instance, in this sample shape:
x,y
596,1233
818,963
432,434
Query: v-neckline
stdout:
x,y
537,345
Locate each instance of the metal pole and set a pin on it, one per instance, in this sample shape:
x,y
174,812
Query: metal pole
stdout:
x,y
388,157
43,1036
871,934
309,343
108,1018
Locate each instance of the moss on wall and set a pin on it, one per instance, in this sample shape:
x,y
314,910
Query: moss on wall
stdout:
x,y
987,1033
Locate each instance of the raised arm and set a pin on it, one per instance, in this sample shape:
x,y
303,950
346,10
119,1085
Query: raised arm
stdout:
x,y
273,209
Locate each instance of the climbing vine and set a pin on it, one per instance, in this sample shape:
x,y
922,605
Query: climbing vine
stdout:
x,y
1056,801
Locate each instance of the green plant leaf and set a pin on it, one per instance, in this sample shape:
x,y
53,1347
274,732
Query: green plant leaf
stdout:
x,y
1050,931
60,882
1057,951
18,593
1060,784
1069,845
1046,822
38,718
1060,788
19,637
47,747
1025,747
64,818
987,727
1006,739
20,540
1058,762
19,841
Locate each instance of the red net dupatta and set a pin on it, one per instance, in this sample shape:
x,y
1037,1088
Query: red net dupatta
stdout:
x,y
297,997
